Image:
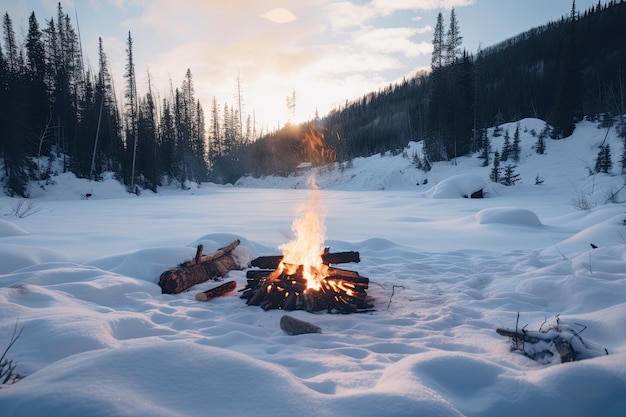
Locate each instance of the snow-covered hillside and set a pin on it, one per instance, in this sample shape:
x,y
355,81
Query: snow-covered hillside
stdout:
x,y
566,164
79,274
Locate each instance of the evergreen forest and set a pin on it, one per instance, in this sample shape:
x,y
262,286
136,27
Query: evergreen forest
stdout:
x,y
55,112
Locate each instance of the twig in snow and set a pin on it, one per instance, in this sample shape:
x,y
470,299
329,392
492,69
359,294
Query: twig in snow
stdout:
x,y
558,250
393,291
7,367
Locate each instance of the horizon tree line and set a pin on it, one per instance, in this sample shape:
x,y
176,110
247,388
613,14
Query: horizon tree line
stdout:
x,y
54,109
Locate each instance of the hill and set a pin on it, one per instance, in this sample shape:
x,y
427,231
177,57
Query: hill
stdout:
x,y
565,168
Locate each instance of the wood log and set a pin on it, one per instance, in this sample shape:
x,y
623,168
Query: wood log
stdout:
x,y
217,291
262,291
199,269
272,262
295,326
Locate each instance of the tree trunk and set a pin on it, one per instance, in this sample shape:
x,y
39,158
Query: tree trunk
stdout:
x,y
198,270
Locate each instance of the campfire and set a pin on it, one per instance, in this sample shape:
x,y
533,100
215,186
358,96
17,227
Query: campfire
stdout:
x,y
304,277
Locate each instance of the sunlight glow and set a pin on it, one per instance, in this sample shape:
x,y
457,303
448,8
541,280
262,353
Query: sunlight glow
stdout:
x,y
279,15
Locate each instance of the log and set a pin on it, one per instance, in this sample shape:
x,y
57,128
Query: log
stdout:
x,y
199,269
272,262
295,326
217,291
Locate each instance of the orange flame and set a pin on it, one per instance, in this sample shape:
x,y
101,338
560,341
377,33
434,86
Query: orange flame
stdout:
x,y
307,247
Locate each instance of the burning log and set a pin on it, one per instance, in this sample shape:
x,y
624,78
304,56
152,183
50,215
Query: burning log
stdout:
x,y
272,262
295,326
303,277
217,291
340,290
199,269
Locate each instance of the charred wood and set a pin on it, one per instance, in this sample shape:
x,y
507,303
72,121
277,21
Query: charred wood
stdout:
x,y
341,291
272,262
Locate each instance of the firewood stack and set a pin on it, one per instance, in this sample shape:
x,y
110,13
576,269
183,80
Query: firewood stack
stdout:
x,y
341,291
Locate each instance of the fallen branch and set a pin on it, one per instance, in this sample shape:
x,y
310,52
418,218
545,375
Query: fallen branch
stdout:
x,y
555,341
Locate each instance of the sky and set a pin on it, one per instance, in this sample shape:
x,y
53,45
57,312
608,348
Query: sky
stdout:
x,y
327,52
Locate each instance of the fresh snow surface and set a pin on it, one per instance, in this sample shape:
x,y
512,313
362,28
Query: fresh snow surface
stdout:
x,y
79,275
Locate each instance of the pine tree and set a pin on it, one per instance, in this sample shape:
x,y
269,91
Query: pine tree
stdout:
x,y
485,150
216,144
35,53
510,177
68,85
239,98
540,145
515,146
109,144
604,163
438,45
608,162
181,172
15,146
147,161
567,103
11,55
495,170
131,113
453,40
506,147
39,113
167,142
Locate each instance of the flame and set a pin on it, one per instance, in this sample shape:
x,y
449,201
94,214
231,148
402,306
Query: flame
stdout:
x,y
307,247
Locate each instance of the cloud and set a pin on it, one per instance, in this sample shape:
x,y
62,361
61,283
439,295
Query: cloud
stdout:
x,y
393,40
344,15
337,51
386,7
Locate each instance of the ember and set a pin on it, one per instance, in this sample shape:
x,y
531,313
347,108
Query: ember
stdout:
x,y
303,278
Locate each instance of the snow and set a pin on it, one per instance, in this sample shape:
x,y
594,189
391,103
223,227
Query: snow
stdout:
x,y
80,274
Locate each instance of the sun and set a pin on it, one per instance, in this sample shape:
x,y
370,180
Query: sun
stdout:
x,y
279,15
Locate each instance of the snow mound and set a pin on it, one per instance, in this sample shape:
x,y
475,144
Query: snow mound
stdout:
x,y
458,186
508,215
15,257
8,229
